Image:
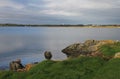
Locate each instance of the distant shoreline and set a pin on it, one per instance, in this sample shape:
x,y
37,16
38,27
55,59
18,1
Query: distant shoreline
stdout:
x,y
63,26
81,26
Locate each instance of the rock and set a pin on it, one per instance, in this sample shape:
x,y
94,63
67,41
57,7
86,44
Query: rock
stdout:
x,y
75,50
28,67
48,55
93,48
108,41
88,48
15,65
35,62
91,42
117,55
97,53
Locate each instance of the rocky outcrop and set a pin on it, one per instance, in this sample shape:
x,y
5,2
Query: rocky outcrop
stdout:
x,y
27,68
117,55
88,48
15,65
18,67
75,50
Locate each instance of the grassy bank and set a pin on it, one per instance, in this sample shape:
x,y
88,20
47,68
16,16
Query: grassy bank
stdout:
x,y
111,70
77,68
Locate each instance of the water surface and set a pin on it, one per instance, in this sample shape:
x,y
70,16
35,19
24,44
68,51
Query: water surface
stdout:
x,y
30,43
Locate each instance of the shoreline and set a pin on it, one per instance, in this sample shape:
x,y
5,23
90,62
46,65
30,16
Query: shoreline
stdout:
x,y
73,26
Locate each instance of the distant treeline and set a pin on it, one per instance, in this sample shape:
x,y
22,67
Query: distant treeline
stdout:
x,y
40,25
55,25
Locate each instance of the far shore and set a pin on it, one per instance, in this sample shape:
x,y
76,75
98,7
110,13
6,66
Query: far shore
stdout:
x,y
80,26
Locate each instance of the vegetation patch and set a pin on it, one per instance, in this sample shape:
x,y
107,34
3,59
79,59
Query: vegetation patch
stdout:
x,y
110,71
78,68
110,49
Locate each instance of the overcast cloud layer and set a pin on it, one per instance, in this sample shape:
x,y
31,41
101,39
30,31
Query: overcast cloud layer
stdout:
x,y
60,11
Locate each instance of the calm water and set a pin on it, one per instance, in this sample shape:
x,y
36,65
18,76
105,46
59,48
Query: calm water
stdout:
x,y
29,43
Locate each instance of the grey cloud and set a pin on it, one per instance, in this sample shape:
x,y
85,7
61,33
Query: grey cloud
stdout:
x,y
57,12
102,15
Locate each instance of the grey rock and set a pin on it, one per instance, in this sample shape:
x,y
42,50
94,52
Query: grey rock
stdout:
x,y
48,55
15,65
88,48
75,50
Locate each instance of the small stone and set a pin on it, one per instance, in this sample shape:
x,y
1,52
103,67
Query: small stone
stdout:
x,y
48,55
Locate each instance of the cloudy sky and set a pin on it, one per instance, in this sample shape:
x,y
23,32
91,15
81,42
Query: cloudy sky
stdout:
x,y
60,11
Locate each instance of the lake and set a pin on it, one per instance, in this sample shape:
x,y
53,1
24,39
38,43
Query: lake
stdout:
x,y
30,43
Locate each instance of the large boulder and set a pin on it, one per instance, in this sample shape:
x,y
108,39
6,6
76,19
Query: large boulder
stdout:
x,y
88,48
75,50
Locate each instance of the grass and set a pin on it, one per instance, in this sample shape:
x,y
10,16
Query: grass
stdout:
x,y
110,71
110,49
78,68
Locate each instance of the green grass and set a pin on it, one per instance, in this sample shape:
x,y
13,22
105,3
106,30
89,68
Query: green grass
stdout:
x,y
78,68
110,71
12,75
110,49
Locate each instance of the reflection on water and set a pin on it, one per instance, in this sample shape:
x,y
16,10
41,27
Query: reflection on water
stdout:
x,y
29,43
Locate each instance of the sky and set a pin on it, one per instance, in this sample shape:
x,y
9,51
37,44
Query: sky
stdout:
x,y
60,11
